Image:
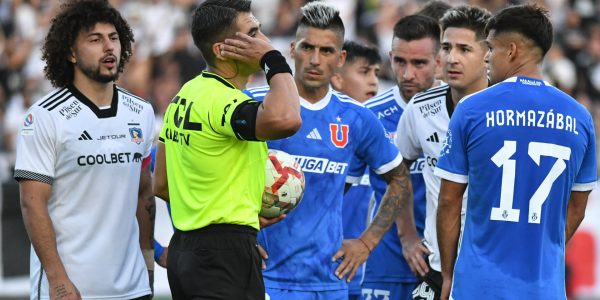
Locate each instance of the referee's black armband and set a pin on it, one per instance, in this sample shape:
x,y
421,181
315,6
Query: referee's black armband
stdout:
x,y
274,63
243,120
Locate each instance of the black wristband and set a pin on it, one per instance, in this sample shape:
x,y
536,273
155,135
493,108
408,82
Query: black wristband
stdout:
x,y
274,63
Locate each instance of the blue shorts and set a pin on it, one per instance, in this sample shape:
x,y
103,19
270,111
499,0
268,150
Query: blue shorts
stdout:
x,y
387,290
277,294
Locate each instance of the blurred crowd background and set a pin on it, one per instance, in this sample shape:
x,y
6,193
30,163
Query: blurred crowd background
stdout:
x,y
165,57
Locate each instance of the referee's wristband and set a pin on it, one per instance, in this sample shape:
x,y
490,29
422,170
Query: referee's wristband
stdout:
x,y
274,63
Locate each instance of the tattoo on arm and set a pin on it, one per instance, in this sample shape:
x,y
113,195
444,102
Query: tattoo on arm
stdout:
x,y
394,200
61,291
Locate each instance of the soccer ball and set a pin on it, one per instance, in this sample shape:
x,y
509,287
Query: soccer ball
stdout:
x,y
284,184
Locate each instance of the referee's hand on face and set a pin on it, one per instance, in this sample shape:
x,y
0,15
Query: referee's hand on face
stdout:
x,y
246,48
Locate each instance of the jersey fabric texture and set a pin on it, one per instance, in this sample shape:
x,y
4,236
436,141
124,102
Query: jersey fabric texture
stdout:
x,y
386,263
387,290
524,145
355,208
215,177
334,131
92,158
423,126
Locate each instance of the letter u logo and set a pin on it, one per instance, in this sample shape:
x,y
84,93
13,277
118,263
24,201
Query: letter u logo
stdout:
x,y
336,139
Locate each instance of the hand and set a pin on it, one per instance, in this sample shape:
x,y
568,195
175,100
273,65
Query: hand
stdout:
x,y
415,252
246,48
64,289
446,285
162,260
264,256
354,254
266,222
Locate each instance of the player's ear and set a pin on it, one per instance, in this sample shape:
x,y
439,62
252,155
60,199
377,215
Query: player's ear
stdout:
x,y
337,82
216,49
71,57
342,58
512,51
292,49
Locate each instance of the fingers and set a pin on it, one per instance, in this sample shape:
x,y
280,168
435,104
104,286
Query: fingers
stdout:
x,y
416,260
231,52
262,252
266,222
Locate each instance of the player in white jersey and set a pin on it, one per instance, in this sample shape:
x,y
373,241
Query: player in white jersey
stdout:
x,y
83,154
425,120
528,153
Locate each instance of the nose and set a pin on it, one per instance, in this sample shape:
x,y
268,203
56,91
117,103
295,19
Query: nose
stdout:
x,y
452,58
315,58
109,44
409,72
486,58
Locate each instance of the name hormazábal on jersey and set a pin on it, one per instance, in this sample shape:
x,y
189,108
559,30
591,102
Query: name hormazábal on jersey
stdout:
x,y
531,118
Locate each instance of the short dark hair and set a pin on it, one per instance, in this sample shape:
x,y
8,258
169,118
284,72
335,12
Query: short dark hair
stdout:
x,y
213,21
416,27
75,16
322,16
531,21
434,9
356,50
469,17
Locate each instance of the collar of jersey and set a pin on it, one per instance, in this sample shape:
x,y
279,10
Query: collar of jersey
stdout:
x,y
319,104
398,97
514,79
100,113
222,80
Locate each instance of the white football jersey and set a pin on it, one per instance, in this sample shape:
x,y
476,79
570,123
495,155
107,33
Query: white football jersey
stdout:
x,y
92,158
422,129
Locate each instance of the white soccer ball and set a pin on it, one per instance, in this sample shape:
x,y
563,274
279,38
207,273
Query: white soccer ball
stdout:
x,y
284,184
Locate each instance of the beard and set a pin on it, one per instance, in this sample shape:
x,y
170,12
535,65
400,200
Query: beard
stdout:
x,y
93,72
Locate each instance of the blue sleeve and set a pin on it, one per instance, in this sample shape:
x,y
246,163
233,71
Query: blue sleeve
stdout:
x,y
374,148
158,250
587,172
452,162
356,170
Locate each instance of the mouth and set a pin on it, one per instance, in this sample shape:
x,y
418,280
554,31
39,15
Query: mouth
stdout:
x,y
109,62
371,94
454,73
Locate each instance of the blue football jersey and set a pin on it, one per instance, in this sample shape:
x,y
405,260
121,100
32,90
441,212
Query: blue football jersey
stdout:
x,y
524,146
334,131
355,208
386,263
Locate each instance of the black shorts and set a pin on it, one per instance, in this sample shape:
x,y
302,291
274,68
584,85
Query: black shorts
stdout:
x,y
215,262
429,286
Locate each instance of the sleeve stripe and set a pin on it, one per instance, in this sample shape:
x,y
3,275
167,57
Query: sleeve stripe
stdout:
x,y
583,187
352,179
390,165
22,174
451,176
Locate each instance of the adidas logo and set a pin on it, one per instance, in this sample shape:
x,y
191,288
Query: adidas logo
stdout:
x,y
85,136
433,138
314,135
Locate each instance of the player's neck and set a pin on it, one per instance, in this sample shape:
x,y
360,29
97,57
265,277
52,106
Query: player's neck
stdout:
x,y
312,95
459,93
229,72
101,94
527,68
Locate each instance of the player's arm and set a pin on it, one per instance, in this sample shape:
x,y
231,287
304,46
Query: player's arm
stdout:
x,y
413,249
575,211
34,196
355,252
448,228
278,115
160,183
146,211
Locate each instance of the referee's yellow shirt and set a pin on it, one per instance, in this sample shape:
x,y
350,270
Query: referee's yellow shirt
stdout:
x,y
214,177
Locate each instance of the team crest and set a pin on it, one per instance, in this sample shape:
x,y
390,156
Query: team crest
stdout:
x,y
28,120
339,134
136,135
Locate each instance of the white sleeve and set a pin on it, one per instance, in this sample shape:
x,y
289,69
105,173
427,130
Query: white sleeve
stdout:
x,y
36,146
151,131
406,139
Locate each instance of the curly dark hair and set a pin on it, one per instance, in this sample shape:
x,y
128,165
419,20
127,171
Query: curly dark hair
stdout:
x,y
75,16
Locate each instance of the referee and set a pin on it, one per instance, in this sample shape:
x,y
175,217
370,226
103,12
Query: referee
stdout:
x,y
211,156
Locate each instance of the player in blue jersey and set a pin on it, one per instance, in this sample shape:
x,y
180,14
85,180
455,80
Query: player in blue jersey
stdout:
x,y
414,50
426,118
307,258
358,79
528,152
